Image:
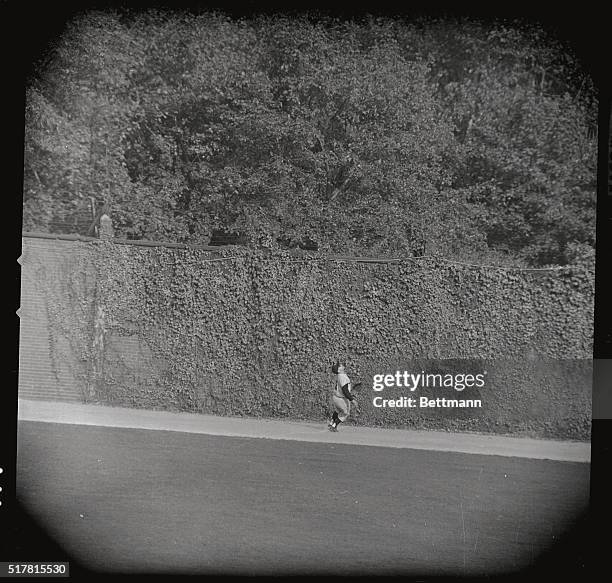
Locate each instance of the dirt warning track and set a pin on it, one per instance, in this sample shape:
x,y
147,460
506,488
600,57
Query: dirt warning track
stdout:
x,y
283,429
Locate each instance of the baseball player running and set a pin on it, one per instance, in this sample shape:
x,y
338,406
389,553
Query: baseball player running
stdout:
x,y
342,397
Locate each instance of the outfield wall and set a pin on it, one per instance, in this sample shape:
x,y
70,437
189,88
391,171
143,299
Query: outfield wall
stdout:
x,y
238,332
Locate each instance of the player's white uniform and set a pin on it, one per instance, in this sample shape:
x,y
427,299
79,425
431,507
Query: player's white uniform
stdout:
x,y
340,402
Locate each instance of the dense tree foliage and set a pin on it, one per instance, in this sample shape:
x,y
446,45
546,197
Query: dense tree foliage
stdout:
x,y
461,139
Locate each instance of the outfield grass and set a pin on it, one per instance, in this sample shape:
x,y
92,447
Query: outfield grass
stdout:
x,y
133,500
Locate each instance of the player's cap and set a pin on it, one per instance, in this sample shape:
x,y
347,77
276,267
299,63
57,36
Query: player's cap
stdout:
x,y
335,367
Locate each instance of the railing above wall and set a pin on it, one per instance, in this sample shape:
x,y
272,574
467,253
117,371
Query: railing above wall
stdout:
x,y
316,256
211,248
138,242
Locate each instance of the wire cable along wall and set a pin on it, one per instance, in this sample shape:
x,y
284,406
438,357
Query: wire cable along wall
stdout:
x,y
307,256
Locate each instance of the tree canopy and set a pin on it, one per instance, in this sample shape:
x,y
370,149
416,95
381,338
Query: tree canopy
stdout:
x,y
381,137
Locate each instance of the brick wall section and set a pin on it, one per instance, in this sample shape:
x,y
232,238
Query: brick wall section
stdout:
x,y
41,375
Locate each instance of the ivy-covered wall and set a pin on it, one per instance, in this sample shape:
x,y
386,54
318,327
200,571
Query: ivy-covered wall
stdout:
x,y
242,332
